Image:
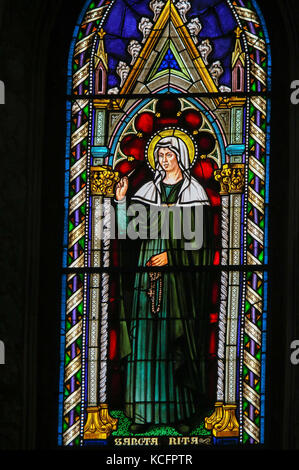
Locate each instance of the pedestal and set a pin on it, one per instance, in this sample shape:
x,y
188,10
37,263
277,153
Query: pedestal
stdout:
x,y
99,424
228,426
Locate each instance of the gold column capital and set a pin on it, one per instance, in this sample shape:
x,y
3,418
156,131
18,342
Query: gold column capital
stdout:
x,y
103,180
231,178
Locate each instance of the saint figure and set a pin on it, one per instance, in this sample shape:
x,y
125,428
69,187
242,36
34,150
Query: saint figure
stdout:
x,y
166,329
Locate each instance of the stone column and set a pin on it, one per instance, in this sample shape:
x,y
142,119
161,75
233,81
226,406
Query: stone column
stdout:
x,y
99,424
223,421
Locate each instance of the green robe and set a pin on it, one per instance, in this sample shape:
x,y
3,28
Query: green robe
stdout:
x,y
166,352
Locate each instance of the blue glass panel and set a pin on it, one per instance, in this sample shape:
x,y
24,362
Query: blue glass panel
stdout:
x,y
223,45
169,62
201,5
224,13
116,18
210,25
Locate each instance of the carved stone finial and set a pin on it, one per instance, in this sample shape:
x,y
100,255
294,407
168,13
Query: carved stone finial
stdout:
x,y
101,55
238,52
145,26
101,33
123,71
134,48
194,27
216,71
238,32
183,6
205,49
156,6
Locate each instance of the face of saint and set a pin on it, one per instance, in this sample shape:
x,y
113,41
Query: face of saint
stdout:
x,y
168,160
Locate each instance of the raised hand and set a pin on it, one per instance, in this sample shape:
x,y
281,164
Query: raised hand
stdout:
x,y
121,189
158,260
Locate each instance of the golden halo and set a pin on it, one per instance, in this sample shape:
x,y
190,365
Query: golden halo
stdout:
x,y
170,133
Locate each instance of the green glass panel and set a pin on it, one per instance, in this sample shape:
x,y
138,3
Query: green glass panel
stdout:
x,y
258,356
82,242
79,375
83,209
80,308
78,409
253,87
67,359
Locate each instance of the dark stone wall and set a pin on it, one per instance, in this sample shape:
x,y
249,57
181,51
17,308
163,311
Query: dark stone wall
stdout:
x,y
34,42
20,215
283,319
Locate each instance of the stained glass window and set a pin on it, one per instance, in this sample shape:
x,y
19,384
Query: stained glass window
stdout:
x,y
163,337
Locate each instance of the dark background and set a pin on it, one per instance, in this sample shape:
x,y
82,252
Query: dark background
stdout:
x,y
34,43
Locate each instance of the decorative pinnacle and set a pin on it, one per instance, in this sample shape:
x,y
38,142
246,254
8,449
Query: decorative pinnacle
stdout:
x,y
101,33
101,54
238,32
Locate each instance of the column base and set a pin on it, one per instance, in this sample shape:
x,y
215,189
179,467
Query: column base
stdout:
x,y
228,426
99,424
215,417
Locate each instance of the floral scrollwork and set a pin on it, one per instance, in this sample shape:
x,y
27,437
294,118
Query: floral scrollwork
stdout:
x,y
231,178
103,180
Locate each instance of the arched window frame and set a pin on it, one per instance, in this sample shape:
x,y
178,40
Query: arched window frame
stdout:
x,y
260,108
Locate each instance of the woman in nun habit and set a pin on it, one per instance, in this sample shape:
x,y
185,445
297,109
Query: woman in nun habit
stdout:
x,y
164,339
